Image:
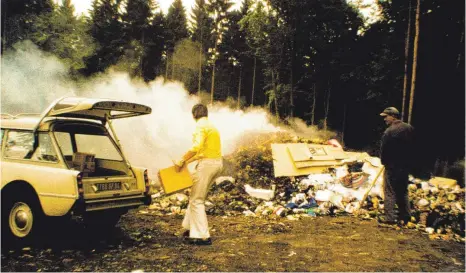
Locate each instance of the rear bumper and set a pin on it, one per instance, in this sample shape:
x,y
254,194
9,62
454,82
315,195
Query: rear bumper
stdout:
x,y
127,202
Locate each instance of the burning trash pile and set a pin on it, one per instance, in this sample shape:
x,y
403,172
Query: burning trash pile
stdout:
x,y
250,187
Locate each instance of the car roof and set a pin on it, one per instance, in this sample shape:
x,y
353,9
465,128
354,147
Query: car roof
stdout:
x,y
30,122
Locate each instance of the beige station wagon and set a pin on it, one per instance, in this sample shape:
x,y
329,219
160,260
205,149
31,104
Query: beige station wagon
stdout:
x,y
67,162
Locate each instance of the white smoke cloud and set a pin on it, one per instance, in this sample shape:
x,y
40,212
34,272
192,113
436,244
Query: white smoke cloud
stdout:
x,y
153,141
31,80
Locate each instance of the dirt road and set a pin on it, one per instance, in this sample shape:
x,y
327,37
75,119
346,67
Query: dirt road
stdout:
x,y
147,242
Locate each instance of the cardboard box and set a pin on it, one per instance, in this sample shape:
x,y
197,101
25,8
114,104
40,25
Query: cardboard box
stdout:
x,y
83,162
173,181
83,157
283,164
89,167
299,152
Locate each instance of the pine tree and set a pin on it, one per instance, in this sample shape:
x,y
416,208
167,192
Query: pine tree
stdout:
x,y
137,18
18,17
218,10
233,55
154,47
177,30
106,29
136,23
64,35
201,27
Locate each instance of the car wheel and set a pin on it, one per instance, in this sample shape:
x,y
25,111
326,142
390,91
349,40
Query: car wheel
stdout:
x,y
21,218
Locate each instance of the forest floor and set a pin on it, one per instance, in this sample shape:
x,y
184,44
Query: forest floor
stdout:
x,y
149,242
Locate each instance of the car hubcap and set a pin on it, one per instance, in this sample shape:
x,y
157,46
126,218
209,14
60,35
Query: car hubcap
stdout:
x,y
21,219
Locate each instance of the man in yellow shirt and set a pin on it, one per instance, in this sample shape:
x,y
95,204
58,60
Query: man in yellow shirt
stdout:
x,y
207,150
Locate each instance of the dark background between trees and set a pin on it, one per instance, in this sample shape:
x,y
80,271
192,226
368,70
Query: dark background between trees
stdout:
x,y
316,60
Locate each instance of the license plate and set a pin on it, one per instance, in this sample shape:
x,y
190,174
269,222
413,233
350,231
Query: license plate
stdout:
x,y
110,186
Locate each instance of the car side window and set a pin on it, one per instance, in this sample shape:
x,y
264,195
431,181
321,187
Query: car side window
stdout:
x,y
18,144
45,150
64,142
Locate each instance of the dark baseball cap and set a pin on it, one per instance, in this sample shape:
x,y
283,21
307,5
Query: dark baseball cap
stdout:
x,y
390,111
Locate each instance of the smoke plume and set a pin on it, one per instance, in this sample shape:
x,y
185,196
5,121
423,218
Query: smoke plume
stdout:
x,y
31,80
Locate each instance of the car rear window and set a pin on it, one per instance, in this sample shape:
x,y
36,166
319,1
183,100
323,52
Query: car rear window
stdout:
x,y
101,146
86,138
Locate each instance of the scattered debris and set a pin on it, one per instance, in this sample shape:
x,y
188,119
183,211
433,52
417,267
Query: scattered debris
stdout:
x,y
353,187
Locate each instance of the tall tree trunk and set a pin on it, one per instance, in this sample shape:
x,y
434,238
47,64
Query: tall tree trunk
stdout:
x,y
327,105
459,54
200,70
405,82
413,76
291,81
173,65
313,103
141,63
274,86
200,65
343,125
166,66
253,81
212,85
239,87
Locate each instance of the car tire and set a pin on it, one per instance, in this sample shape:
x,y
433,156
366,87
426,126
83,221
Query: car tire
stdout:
x,y
22,218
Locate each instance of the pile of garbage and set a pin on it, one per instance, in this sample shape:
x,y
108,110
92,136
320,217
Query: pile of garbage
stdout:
x,y
440,211
248,187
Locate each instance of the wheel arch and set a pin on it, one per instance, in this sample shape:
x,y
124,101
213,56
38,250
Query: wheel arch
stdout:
x,y
21,187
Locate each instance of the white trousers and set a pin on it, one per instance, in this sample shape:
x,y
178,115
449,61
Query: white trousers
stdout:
x,y
195,219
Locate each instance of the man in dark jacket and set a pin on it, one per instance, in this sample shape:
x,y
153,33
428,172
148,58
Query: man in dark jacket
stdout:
x,y
396,154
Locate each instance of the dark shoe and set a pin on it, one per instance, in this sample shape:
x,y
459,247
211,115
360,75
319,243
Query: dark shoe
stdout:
x,y
197,241
186,234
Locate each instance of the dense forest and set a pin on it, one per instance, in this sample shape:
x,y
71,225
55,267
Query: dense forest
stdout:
x,y
321,61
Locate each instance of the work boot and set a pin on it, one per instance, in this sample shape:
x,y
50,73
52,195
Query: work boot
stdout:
x,y
198,241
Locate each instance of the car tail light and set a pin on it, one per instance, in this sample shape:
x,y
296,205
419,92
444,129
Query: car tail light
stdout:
x,y
79,179
146,180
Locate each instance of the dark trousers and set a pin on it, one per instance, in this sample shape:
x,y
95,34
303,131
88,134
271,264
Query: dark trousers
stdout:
x,y
396,192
